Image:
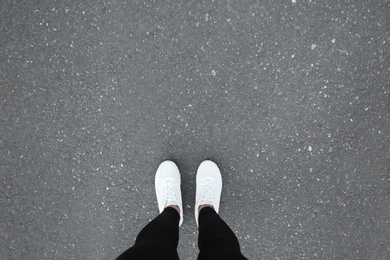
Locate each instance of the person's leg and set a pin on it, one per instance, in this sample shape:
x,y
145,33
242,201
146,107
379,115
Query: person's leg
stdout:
x,y
216,239
158,239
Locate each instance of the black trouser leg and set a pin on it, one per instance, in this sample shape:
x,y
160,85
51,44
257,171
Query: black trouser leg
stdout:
x,y
158,239
216,239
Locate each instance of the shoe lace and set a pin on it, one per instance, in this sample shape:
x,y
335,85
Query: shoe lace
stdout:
x,y
207,195
170,196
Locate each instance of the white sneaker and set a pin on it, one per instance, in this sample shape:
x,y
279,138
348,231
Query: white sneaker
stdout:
x,y
208,186
167,184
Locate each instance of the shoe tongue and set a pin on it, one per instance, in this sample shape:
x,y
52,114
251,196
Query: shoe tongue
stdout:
x,y
203,202
171,203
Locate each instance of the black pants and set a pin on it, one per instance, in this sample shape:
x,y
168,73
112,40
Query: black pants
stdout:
x,y
159,239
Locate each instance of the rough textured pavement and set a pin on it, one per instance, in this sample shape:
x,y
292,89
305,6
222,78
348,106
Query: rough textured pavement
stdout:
x,y
290,98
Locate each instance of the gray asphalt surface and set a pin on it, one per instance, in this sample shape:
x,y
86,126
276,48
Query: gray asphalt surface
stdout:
x,y
290,98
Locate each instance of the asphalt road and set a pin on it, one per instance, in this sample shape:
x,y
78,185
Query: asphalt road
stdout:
x,y
290,98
